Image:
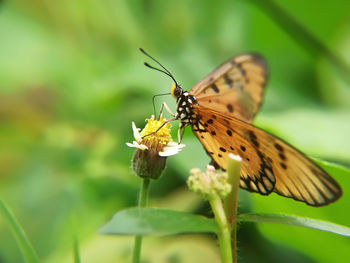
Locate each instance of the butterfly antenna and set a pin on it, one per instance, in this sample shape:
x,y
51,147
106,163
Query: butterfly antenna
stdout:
x,y
165,71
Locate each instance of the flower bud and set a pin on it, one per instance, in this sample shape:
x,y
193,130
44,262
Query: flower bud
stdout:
x,y
209,183
148,163
153,145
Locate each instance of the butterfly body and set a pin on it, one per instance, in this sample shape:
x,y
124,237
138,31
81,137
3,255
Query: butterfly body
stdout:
x,y
184,109
220,109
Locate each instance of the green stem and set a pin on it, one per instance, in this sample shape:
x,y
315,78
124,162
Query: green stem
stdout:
x,y
143,199
26,247
231,202
224,234
76,251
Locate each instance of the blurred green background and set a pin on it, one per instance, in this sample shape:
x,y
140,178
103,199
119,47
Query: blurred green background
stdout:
x,y
72,80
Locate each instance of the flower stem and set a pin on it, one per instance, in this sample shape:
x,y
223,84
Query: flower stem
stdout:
x,y
224,234
231,202
143,200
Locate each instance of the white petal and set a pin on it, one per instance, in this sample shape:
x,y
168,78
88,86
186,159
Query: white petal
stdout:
x,y
142,147
136,130
171,149
131,145
175,144
136,145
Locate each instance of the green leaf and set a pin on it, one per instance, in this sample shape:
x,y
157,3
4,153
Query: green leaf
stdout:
x,y
333,168
296,221
153,221
24,244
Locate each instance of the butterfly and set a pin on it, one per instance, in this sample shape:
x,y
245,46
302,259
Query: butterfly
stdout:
x,y
220,110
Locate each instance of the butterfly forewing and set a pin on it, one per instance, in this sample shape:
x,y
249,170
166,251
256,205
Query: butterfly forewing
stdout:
x,y
269,164
235,88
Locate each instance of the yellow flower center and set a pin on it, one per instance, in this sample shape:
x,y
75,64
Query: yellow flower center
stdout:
x,y
162,136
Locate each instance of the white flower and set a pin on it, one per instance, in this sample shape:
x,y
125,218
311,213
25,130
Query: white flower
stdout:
x,y
153,145
136,144
172,148
161,139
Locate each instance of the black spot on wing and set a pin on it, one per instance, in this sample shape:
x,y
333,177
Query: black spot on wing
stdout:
x,y
222,149
239,66
282,156
229,108
228,81
215,88
279,147
253,139
283,165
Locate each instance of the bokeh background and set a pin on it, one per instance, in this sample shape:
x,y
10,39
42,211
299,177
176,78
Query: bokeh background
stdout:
x,y
72,80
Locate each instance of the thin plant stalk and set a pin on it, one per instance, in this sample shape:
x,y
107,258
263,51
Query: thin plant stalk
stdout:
x,y
224,234
231,202
26,247
143,200
76,251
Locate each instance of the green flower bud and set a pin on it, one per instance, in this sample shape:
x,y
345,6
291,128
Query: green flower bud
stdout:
x,y
148,163
153,146
209,183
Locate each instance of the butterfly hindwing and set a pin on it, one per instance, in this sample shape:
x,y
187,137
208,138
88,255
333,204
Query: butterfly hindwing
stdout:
x,y
235,88
269,164
219,139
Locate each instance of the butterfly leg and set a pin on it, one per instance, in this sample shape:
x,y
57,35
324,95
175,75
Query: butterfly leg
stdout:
x,y
180,133
165,106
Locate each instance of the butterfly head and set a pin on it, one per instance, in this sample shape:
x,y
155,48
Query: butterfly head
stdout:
x,y
176,90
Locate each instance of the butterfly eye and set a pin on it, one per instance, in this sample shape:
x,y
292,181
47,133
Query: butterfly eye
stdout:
x,y
176,90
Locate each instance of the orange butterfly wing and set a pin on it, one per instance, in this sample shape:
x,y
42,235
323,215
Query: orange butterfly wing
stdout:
x,y
235,88
269,164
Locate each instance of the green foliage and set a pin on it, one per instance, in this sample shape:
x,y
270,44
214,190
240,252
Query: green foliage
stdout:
x,y
296,221
72,80
27,251
153,221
